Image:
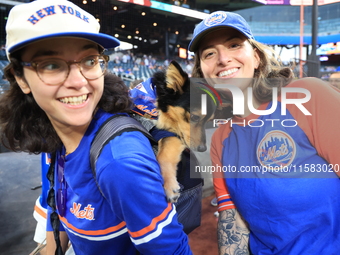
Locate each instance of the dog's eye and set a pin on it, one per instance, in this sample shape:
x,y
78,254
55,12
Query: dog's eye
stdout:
x,y
194,118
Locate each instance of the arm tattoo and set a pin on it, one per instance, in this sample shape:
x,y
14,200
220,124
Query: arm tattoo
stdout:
x,y
233,234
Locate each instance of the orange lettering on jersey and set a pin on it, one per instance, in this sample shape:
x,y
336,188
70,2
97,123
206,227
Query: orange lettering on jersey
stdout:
x,y
75,209
87,213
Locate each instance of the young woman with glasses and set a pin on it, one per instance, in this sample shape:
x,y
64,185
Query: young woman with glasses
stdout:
x,y
60,95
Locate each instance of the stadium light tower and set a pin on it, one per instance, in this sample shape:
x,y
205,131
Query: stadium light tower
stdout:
x,y
313,62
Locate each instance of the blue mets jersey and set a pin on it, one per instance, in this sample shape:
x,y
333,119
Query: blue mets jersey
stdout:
x,y
280,172
144,99
134,214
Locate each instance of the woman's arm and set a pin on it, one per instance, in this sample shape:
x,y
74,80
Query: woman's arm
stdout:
x,y
51,245
232,233
322,126
135,192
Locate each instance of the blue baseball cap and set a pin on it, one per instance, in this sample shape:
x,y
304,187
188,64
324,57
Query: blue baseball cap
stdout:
x,y
216,20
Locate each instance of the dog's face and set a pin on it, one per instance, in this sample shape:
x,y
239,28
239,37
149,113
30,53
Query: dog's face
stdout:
x,y
179,102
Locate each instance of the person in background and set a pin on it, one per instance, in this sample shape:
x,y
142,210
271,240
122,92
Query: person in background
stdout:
x,y
115,70
334,79
135,83
59,97
120,70
279,191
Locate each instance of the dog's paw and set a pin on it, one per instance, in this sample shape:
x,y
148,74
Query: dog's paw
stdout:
x,y
172,190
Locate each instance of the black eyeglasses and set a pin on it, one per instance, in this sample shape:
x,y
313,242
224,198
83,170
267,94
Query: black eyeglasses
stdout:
x,y
54,71
62,191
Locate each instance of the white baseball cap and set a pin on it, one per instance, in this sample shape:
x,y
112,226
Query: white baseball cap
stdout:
x,y
42,19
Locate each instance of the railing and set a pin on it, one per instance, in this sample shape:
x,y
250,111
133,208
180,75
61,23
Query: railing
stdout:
x,y
325,27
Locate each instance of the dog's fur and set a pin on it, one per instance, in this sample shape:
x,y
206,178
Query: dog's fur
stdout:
x,y
182,116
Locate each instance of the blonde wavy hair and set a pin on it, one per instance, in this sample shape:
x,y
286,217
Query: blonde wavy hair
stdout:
x,y
270,72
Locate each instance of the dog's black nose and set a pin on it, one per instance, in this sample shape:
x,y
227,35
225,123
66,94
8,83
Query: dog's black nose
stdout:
x,y
201,148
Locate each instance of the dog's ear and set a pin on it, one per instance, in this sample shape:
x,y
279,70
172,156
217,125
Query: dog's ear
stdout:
x,y
175,77
170,85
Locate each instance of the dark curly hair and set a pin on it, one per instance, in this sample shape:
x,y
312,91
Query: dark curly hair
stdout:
x,y
24,126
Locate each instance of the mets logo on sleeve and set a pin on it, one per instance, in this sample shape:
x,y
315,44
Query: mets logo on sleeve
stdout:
x,y
276,149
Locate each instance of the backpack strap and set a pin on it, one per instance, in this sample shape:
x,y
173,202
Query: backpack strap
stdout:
x,y
111,128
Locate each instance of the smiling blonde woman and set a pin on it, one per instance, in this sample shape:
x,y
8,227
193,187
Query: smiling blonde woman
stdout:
x,y
282,194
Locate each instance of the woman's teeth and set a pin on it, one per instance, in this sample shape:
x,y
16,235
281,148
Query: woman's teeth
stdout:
x,y
73,100
228,72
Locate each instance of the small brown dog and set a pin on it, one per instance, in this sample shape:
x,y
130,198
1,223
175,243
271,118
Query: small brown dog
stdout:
x,y
182,116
